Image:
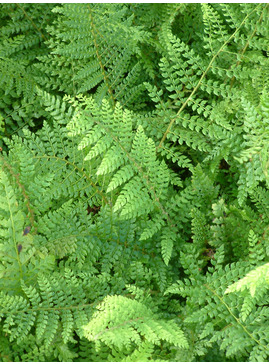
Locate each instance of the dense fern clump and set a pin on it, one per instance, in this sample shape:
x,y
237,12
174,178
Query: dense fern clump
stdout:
x,y
134,186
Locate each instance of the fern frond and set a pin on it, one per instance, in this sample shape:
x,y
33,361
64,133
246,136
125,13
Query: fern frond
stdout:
x,y
115,326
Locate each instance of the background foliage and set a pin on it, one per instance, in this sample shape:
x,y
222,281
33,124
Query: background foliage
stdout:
x,y
134,187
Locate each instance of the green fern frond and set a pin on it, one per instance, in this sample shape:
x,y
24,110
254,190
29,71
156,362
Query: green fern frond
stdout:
x,y
116,326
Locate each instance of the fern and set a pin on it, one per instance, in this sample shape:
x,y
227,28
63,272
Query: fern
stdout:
x,y
134,182
131,323
22,36
99,59
142,181
49,308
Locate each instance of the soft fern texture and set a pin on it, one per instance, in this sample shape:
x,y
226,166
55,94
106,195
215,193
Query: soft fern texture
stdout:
x,y
134,186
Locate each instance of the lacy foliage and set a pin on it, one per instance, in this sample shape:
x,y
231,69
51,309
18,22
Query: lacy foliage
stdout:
x,y
134,187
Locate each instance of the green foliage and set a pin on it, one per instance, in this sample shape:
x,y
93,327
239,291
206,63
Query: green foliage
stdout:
x,y
124,323
23,34
134,188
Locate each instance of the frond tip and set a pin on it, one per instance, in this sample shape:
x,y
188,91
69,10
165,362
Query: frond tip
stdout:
x,y
122,322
